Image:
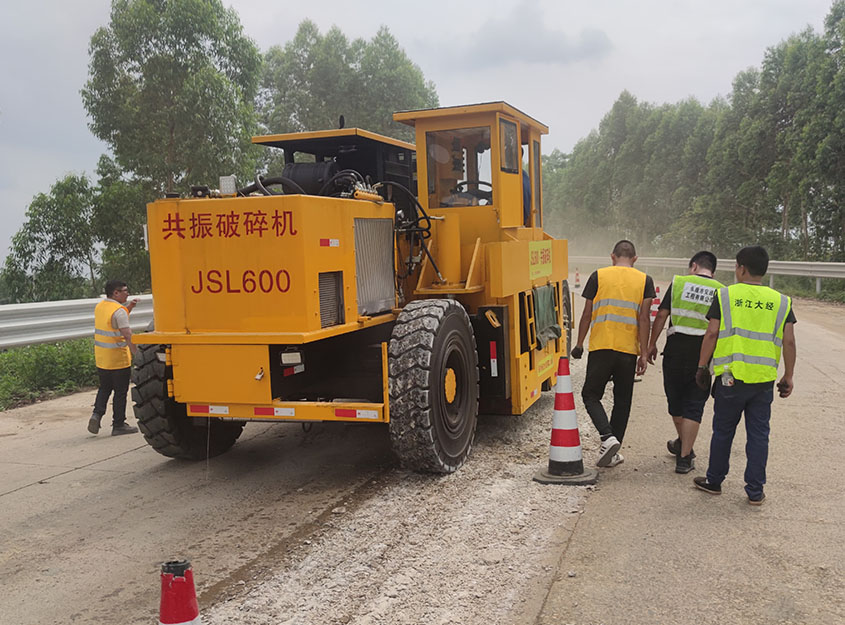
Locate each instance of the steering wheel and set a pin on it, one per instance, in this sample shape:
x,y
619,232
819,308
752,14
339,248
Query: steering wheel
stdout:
x,y
477,193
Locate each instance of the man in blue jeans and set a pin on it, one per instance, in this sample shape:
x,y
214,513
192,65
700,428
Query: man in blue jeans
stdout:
x,y
750,324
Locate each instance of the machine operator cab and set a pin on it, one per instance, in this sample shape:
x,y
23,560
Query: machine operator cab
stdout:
x,y
480,155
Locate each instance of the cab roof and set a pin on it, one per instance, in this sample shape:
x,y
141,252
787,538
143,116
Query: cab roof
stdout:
x,y
329,141
410,117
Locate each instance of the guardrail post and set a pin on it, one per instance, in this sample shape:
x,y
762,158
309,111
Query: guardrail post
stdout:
x,y
818,286
771,280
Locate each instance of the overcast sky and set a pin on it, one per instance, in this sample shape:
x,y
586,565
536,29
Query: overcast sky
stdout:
x,y
563,62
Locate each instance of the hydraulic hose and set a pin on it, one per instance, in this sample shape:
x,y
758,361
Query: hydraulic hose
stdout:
x,y
261,185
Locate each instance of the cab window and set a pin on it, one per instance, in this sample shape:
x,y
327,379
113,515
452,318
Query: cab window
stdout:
x,y
459,167
510,146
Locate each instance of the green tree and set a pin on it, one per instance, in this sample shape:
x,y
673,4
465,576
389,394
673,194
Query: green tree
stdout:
x,y
120,216
171,86
53,255
314,79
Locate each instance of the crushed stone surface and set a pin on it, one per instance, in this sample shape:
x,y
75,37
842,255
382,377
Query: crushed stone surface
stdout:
x,y
477,546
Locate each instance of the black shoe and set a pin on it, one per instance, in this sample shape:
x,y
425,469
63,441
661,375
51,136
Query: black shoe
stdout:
x,y
123,428
94,423
684,464
757,501
701,483
674,447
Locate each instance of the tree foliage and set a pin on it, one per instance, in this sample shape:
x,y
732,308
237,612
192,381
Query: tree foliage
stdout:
x,y
120,215
76,237
53,254
765,166
171,86
314,79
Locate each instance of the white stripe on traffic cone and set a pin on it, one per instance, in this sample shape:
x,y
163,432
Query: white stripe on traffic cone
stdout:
x,y
655,303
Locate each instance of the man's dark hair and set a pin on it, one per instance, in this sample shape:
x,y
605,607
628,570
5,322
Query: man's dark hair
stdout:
x,y
755,259
704,259
114,285
624,248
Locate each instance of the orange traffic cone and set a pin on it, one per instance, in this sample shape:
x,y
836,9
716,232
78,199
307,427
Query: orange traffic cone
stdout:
x,y
566,463
577,279
178,597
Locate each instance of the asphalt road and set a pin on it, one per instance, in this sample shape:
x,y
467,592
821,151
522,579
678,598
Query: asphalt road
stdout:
x,y
650,548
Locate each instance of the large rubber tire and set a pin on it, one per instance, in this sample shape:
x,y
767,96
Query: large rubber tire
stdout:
x,y
165,423
433,371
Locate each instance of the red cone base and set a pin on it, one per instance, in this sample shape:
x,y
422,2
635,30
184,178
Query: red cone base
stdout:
x,y
178,597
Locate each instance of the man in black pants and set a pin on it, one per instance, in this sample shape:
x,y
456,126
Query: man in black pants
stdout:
x,y
617,306
113,350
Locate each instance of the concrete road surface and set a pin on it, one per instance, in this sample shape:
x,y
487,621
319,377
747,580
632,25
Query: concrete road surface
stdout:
x,y
87,520
651,549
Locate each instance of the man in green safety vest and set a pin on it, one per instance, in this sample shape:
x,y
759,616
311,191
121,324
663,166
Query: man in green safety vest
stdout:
x,y
685,304
750,324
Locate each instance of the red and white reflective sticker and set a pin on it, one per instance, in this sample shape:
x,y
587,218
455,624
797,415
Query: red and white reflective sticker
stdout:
x,y
293,370
350,413
534,393
210,409
269,411
494,362
329,242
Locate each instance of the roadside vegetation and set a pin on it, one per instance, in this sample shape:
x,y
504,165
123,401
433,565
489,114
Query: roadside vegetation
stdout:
x,y
764,165
28,374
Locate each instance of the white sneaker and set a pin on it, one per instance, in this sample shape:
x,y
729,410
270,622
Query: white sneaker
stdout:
x,y
617,459
607,450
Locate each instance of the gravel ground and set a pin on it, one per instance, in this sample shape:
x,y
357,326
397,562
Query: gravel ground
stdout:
x,y
476,546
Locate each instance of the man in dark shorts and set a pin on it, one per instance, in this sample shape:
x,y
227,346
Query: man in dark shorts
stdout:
x,y
617,306
685,304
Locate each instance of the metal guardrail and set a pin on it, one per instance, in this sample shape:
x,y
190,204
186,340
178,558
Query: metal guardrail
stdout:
x,y
776,267
47,322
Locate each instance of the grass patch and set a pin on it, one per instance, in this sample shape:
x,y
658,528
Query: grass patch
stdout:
x,y
31,373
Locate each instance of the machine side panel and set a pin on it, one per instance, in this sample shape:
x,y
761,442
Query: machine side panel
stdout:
x,y
238,374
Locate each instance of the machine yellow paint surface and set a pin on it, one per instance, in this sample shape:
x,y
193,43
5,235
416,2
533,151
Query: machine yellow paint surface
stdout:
x,y
507,256
235,276
248,266
235,374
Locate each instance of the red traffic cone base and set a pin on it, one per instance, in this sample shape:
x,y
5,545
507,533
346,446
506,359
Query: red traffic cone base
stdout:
x,y
178,597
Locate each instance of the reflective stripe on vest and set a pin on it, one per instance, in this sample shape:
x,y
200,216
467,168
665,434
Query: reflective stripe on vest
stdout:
x,y
691,299
616,308
750,332
110,348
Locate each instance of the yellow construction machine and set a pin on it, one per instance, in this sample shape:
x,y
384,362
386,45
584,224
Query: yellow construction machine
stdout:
x,y
372,281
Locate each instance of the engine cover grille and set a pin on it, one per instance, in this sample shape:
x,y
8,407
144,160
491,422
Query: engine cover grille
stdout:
x,y
331,298
374,265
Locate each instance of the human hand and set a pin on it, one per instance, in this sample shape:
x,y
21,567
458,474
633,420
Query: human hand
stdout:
x,y
652,354
702,378
132,303
577,352
642,365
785,387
